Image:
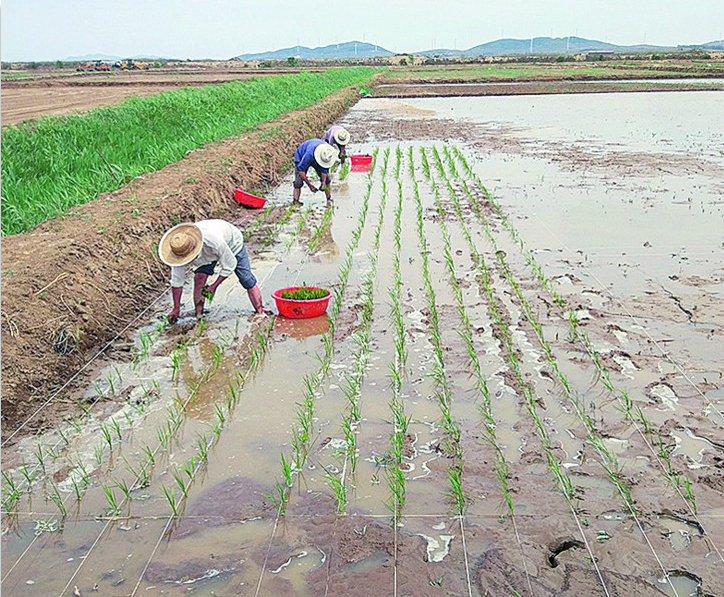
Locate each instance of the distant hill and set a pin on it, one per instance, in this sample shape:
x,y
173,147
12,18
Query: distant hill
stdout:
x,y
499,47
712,45
346,50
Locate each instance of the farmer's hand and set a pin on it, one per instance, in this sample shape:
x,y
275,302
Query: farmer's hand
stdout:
x,y
209,291
173,315
312,188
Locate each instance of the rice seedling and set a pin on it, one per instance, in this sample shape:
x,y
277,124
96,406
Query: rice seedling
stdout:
x,y
339,488
180,482
99,452
170,495
111,500
72,172
10,493
58,500
106,432
123,486
27,475
117,428
40,456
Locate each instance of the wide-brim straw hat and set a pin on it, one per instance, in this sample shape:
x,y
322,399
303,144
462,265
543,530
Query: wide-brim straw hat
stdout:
x,y
325,155
181,244
341,136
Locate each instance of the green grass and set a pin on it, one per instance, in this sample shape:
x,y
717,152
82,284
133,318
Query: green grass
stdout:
x,y
55,163
506,73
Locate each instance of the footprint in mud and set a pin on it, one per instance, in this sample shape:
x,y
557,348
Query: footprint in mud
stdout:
x,y
560,547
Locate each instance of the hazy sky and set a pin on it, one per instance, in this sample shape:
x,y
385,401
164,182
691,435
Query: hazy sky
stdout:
x,y
54,29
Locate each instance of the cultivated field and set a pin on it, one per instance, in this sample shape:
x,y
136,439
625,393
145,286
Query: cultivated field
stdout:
x,y
28,95
517,389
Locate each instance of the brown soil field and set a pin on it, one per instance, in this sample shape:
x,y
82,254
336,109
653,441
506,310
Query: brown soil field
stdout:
x,y
53,94
56,288
526,331
537,88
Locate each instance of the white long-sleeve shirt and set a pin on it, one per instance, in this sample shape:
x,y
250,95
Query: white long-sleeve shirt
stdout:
x,y
221,242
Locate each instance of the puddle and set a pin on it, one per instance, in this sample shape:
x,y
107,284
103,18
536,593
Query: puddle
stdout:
x,y
680,584
680,533
691,445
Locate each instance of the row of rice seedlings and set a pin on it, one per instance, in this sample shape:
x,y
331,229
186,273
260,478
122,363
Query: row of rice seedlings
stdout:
x,y
393,471
272,232
607,459
561,478
443,392
352,386
299,228
185,475
501,467
303,428
659,446
165,433
322,227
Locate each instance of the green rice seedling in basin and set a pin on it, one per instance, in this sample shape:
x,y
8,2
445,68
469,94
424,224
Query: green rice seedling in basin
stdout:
x,y
55,163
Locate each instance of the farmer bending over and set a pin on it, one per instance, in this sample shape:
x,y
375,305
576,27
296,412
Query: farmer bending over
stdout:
x,y
338,137
319,155
201,246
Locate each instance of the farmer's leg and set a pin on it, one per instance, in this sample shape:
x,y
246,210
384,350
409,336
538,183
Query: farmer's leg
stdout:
x,y
201,275
248,280
298,184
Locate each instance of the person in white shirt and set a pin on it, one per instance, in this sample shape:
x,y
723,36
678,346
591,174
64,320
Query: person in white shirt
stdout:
x,y
202,246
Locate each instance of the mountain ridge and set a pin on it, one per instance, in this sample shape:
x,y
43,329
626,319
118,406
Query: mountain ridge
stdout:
x,y
499,47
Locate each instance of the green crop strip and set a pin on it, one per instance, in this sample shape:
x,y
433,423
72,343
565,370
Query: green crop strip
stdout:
x,y
632,411
395,475
562,480
302,430
607,459
443,391
352,386
55,163
501,468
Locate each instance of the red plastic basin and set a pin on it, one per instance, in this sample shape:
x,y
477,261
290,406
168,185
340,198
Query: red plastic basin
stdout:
x,y
248,200
361,159
296,309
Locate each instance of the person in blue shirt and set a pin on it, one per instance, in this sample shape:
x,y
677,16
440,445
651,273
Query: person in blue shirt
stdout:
x,y
316,154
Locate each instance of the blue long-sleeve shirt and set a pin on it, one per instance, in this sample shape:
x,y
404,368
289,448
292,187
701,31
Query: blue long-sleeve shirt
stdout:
x,y
304,157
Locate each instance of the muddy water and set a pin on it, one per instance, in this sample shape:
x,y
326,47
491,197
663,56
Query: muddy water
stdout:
x,y
229,537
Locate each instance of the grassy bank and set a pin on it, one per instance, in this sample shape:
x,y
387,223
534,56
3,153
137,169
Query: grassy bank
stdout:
x,y
53,164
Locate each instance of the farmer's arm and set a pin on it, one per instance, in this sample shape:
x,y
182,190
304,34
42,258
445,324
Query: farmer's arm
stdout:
x,y
342,153
303,176
326,183
177,283
302,168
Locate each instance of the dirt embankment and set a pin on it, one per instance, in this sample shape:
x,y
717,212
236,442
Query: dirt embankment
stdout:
x,y
70,285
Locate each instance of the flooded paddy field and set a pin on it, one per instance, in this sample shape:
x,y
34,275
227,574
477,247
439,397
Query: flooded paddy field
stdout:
x,y
517,388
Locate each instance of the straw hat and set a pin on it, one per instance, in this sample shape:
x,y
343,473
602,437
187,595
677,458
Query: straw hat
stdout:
x,y
325,155
341,136
180,245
